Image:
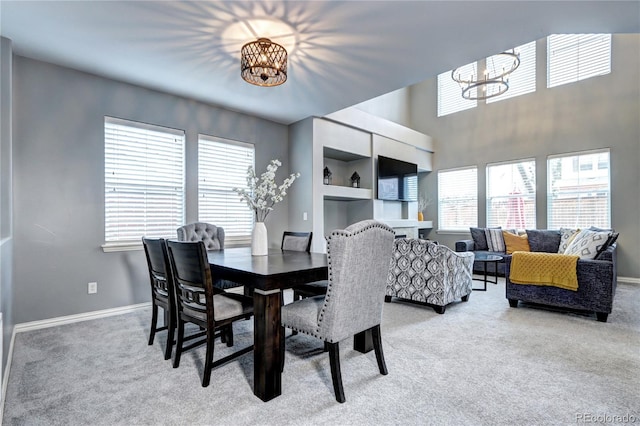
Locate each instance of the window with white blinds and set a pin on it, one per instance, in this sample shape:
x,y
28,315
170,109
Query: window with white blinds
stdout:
x,y
522,80
143,181
222,166
458,199
575,57
579,188
511,194
450,98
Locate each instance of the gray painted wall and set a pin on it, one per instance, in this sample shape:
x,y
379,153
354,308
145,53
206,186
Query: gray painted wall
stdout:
x,y
394,106
6,232
599,112
59,183
301,155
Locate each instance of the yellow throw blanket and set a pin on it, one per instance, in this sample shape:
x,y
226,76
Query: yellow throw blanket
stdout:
x,y
551,269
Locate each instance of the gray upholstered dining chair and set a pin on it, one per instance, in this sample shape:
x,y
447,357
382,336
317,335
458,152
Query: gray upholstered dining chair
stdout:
x,y
359,258
211,235
213,238
198,303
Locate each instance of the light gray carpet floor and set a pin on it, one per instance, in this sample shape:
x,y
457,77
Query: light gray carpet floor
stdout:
x,y
481,363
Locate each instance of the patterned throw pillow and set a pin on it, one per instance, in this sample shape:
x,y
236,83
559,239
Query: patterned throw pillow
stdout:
x,y
587,244
613,237
566,237
495,241
515,242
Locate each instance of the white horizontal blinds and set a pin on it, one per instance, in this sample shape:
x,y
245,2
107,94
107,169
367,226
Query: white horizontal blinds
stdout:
x,y
579,188
522,80
458,199
511,195
450,98
144,180
574,57
222,166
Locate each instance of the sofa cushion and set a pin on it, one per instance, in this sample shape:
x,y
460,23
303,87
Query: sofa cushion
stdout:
x,y
566,237
495,241
479,238
587,244
515,242
544,240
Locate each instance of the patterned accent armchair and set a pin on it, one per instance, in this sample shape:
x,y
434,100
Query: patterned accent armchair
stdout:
x,y
425,272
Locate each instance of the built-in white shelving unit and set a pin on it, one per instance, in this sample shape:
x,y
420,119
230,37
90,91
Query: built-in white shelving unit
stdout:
x,y
348,143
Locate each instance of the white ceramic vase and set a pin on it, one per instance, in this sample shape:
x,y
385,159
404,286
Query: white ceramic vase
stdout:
x,y
259,240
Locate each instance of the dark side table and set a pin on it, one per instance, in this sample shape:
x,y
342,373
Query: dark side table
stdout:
x,y
486,259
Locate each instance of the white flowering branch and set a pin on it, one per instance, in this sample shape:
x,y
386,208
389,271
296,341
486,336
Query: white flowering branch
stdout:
x,y
263,193
423,202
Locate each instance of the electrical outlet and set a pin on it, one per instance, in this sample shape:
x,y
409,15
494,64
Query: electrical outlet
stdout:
x,y
92,288
304,215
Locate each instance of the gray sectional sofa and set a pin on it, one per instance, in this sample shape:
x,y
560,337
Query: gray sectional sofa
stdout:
x,y
597,278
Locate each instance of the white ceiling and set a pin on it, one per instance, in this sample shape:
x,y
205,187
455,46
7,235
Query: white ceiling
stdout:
x,y
344,52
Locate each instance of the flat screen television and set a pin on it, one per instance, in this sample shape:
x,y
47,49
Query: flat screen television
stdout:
x,y
397,180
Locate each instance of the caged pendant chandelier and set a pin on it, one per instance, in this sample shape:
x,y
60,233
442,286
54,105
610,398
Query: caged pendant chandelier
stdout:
x,y
495,80
263,63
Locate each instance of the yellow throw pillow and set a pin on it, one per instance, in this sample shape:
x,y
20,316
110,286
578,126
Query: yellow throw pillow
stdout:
x,y
515,242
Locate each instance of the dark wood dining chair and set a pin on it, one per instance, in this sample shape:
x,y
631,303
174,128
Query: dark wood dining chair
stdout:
x,y
296,241
199,304
162,292
359,258
301,241
213,238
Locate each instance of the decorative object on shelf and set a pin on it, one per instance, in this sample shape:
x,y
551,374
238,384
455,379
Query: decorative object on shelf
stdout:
x,y
496,76
355,180
261,195
423,202
263,63
327,176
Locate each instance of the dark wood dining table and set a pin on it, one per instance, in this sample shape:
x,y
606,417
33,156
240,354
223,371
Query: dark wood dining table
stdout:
x,y
265,277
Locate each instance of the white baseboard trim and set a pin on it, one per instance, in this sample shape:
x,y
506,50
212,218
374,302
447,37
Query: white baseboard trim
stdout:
x,y
629,280
86,316
7,370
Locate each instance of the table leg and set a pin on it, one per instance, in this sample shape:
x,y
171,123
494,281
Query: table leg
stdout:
x,y
486,266
266,340
363,341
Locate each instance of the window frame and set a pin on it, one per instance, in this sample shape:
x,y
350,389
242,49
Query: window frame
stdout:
x,y
521,199
243,217
158,184
561,64
443,204
449,97
525,74
578,222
